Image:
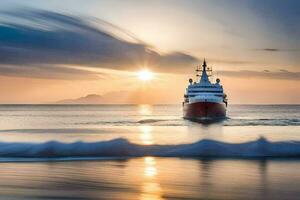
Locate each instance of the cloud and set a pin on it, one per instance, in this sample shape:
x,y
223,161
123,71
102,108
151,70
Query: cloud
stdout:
x,y
45,42
232,62
277,50
270,49
282,74
49,72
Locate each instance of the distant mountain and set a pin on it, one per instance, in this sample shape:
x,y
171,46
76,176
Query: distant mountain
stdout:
x,y
88,99
118,97
140,96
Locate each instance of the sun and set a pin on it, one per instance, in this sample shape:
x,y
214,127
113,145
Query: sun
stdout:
x,y
145,75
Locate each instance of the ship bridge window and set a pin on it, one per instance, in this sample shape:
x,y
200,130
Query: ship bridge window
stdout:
x,y
205,91
205,86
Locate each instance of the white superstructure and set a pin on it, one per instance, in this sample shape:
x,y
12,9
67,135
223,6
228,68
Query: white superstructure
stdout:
x,y
203,90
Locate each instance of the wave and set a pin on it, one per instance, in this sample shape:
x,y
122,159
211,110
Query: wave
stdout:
x,y
149,121
182,122
57,130
123,148
262,122
155,122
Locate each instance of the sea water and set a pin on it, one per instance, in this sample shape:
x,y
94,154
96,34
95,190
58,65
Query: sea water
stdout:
x,y
148,152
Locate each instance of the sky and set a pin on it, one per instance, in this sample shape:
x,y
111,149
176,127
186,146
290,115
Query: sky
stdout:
x,y
67,49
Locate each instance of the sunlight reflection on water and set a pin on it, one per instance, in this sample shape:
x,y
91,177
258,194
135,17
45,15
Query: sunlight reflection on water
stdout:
x,y
151,178
151,189
146,135
145,109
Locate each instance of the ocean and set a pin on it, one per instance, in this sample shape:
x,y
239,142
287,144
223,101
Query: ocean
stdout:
x,y
148,152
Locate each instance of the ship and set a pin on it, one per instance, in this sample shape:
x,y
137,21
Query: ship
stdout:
x,y
204,100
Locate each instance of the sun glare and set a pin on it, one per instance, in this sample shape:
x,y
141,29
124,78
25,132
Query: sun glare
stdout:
x,y
145,75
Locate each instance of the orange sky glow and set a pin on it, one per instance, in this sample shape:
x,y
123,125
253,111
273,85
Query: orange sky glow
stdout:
x,y
100,50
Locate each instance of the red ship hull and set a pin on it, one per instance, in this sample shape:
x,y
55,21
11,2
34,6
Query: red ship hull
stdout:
x,y
202,110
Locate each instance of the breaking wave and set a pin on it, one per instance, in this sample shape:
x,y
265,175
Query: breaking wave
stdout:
x,y
123,148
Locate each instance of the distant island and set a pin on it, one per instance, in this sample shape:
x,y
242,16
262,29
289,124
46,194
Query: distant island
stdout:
x,y
118,97
139,96
88,99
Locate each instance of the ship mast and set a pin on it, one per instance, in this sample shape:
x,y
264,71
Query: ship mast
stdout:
x,y
202,73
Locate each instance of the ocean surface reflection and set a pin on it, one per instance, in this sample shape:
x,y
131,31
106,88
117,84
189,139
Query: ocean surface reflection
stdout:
x,y
144,124
151,189
151,178
145,109
146,135
46,130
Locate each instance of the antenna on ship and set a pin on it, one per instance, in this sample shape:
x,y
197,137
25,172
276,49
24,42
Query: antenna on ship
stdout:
x,y
207,68
204,75
198,72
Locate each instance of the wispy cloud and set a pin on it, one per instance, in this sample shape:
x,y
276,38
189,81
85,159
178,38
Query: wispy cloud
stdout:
x,y
276,49
232,62
44,71
282,74
270,49
43,42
